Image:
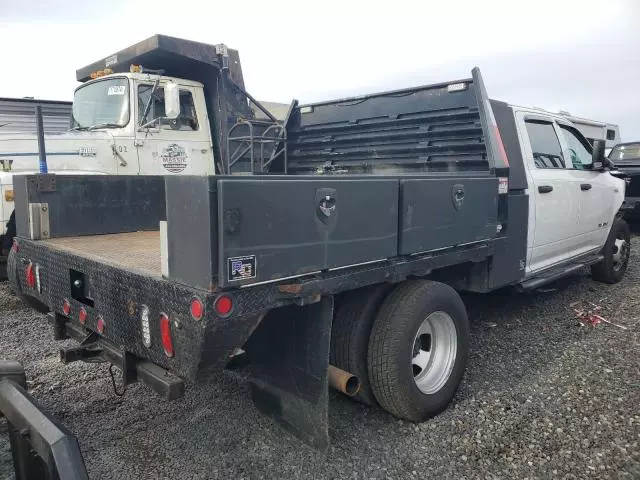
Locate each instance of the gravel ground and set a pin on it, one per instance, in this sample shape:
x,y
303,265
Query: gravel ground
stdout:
x,y
542,397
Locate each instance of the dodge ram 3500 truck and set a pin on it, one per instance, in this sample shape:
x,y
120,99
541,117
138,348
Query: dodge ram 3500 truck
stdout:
x,y
343,257
121,123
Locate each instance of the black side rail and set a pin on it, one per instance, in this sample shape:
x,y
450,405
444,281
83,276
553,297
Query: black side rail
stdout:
x,y
42,449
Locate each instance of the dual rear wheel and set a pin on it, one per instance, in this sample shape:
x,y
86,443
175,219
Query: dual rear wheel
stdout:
x,y
408,345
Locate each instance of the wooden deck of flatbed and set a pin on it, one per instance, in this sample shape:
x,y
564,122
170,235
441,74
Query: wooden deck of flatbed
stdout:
x,y
136,251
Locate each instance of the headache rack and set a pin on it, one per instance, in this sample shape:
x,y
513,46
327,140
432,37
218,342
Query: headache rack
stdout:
x,y
441,128
434,128
253,145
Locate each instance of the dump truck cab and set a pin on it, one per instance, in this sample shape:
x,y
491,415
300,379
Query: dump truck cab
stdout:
x,y
131,108
164,106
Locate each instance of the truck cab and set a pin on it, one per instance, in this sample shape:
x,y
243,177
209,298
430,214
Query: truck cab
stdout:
x,y
144,141
571,203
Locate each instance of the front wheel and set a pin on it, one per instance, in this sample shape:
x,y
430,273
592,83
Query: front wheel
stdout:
x,y
418,349
616,253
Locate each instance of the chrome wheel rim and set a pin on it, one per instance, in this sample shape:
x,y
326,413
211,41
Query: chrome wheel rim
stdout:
x,y
620,253
434,352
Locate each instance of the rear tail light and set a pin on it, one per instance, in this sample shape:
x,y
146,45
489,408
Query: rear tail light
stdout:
x,y
66,307
223,305
101,325
197,308
30,275
82,316
165,334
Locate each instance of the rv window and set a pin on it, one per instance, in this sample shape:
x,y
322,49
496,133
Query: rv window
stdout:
x,y
545,145
611,134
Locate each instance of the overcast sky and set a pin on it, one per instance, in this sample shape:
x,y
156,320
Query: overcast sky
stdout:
x,y
579,56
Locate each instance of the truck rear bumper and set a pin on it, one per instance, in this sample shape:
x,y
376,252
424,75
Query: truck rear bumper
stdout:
x,y
117,298
133,369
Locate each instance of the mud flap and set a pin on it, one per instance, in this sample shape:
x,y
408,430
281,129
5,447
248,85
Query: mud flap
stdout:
x,y
289,355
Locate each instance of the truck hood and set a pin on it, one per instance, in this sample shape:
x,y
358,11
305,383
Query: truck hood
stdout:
x,y
80,152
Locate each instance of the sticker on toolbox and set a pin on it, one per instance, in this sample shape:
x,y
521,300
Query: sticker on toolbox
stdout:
x,y
241,268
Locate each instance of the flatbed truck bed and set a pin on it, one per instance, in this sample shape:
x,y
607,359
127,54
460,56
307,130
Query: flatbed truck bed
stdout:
x,y
142,252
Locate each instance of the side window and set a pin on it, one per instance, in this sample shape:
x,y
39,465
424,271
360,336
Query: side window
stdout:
x,y
157,104
545,145
187,120
579,150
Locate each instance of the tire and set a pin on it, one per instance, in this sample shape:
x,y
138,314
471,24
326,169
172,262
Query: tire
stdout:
x,y
616,254
350,334
394,342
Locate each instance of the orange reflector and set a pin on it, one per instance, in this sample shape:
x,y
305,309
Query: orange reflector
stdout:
x,y
165,334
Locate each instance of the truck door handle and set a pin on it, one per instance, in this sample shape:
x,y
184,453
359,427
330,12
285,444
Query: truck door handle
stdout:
x,y
545,188
585,186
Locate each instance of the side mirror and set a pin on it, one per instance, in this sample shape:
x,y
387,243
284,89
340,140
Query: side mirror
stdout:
x,y
171,100
597,156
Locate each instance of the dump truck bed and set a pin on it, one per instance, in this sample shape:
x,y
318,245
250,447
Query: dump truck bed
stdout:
x,y
135,251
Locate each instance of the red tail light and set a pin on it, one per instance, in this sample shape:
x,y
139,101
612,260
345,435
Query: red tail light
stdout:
x,y
101,325
223,305
165,334
197,309
66,307
82,316
30,275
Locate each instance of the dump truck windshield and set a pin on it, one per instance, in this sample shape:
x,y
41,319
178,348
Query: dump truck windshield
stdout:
x,y
102,104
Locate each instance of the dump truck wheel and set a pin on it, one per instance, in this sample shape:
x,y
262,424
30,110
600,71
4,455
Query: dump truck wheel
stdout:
x,y
418,349
616,254
350,334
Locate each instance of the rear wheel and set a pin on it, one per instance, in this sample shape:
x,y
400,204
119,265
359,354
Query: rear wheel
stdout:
x,y
350,334
616,254
418,349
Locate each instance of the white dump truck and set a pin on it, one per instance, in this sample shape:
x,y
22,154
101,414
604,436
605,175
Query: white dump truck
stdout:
x,y
128,118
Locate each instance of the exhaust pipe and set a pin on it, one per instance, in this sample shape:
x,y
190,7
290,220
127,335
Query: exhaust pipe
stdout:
x,y
344,382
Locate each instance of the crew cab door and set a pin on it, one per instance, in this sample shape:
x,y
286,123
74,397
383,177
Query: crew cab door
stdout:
x,y
553,201
593,187
180,146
